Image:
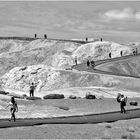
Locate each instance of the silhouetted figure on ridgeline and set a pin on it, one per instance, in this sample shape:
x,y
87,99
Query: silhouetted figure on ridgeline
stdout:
x,y
45,36
110,55
86,39
35,35
121,53
101,39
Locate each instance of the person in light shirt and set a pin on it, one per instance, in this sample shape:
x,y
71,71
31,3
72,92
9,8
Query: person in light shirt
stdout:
x,y
13,108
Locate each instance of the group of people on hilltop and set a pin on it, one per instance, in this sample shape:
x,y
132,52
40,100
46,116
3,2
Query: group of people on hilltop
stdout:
x,y
101,39
45,36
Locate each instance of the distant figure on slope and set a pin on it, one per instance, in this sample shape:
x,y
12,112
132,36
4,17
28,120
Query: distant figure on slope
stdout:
x,y
110,55
88,64
101,39
86,39
92,64
35,35
32,88
136,51
75,60
13,108
121,53
45,36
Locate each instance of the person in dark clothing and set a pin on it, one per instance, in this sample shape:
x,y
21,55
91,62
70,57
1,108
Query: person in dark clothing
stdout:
x,y
45,36
122,103
101,39
92,64
35,35
32,88
86,39
110,55
75,60
121,53
88,64
136,51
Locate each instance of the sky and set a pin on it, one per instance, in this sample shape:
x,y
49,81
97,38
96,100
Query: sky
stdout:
x,y
117,21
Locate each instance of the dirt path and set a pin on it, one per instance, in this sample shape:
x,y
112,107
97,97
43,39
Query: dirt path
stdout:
x,y
83,66
79,119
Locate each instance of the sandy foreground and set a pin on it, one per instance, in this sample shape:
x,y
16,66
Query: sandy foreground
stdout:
x,y
65,107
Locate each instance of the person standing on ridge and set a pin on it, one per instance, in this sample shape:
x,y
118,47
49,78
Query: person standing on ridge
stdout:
x,y
110,55
35,35
45,36
32,88
13,108
121,53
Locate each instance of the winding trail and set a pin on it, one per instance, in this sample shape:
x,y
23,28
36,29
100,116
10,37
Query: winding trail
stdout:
x,y
82,119
83,66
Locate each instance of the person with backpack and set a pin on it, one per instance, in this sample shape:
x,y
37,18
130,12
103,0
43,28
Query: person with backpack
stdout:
x,y
122,103
13,108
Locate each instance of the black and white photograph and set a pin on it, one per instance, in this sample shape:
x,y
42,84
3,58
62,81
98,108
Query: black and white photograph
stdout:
x,y
69,69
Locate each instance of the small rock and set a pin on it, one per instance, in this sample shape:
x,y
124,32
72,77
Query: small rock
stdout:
x,y
134,103
33,98
90,96
72,97
130,129
108,126
124,136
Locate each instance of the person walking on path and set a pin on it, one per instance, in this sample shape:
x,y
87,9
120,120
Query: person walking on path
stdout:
x,y
122,103
32,88
92,64
88,64
13,108
136,51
